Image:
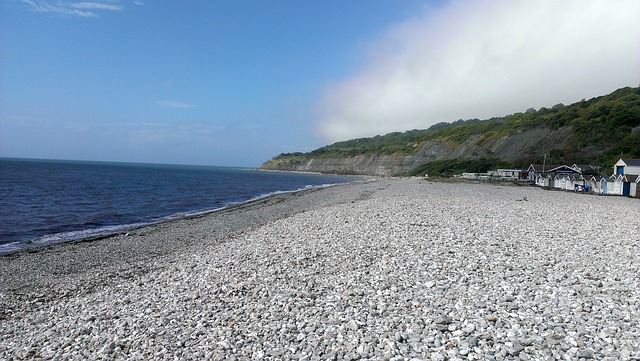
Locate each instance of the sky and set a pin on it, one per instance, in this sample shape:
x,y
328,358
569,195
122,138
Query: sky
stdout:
x,y
235,83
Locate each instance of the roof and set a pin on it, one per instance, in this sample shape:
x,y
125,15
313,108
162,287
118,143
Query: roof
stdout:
x,y
631,162
625,177
538,167
596,177
587,168
574,176
561,169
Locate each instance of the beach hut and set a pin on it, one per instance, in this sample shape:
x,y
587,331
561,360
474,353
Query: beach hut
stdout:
x,y
629,185
593,184
574,182
560,182
604,185
617,184
633,185
542,180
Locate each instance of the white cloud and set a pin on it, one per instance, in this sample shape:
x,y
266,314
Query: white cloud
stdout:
x,y
174,104
484,58
96,6
74,8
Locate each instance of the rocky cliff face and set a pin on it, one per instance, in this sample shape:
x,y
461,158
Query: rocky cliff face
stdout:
x,y
512,147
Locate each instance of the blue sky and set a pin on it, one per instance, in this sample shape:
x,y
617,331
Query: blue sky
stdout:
x,y
235,83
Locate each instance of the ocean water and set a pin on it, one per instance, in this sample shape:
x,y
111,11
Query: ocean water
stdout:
x,y
44,202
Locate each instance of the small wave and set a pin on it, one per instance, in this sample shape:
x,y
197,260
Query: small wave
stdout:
x,y
106,231
275,193
70,236
11,247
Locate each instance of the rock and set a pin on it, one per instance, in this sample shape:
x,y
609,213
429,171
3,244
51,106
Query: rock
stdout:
x,y
514,350
442,320
352,325
398,337
586,354
473,341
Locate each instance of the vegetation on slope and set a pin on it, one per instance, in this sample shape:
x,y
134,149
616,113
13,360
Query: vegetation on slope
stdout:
x,y
458,166
605,128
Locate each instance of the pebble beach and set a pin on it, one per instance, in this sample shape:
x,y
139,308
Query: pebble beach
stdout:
x,y
393,269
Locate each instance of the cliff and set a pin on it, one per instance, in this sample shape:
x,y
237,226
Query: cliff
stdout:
x,y
600,129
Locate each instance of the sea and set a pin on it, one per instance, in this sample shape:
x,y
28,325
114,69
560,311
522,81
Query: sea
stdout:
x,y
44,202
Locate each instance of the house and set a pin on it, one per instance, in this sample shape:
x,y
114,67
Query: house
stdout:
x,y
627,166
625,177
549,168
508,173
563,169
538,169
588,169
550,175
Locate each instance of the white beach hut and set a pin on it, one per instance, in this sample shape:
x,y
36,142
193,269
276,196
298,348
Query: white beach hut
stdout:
x,y
565,182
629,185
604,185
542,180
617,184
633,185
558,182
573,181
593,184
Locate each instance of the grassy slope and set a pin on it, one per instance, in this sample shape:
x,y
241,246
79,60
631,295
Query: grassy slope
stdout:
x,y
606,127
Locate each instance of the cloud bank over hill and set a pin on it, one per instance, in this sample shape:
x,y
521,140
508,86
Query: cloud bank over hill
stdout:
x,y
485,58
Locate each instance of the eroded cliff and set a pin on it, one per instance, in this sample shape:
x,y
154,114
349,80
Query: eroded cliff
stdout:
x,y
601,129
512,148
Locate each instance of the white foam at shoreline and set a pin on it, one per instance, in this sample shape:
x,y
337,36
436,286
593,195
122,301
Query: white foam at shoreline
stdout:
x,y
106,231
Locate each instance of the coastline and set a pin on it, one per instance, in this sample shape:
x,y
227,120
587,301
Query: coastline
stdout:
x,y
162,239
390,269
91,235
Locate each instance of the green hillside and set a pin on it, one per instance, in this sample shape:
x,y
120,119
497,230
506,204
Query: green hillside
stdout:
x,y
601,130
